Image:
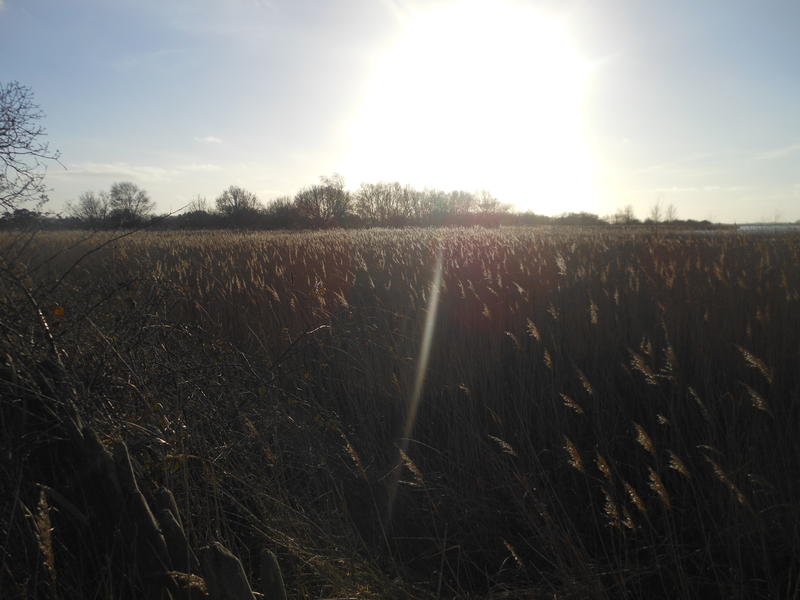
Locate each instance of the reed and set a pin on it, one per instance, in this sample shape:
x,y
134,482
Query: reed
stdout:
x,y
603,414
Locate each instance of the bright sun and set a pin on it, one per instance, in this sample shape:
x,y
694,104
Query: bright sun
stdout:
x,y
478,95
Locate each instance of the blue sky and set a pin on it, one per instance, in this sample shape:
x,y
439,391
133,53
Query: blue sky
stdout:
x,y
695,104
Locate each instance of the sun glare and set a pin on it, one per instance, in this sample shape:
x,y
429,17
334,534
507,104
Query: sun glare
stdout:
x,y
478,95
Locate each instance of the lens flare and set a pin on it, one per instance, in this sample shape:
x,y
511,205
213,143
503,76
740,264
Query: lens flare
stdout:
x,y
419,378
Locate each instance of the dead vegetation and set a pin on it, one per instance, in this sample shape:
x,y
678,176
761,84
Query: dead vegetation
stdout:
x,y
603,415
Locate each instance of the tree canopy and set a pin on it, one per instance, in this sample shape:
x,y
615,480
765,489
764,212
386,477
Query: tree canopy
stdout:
x,y
129,204
237,203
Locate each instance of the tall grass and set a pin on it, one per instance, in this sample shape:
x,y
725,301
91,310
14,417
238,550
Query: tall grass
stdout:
x,y
603,414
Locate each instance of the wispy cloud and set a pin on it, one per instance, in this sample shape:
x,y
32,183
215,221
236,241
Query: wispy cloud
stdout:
x,y
118,170
161,59
209,139
693,189
778,152
2,4
138,173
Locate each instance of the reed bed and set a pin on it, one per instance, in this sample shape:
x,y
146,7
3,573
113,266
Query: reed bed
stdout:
x,y
604,414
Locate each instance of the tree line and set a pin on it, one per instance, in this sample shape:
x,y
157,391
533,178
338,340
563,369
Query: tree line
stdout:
x,y
328,204
323,205
23,158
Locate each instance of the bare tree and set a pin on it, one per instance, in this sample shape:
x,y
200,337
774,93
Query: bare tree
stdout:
x,y
23,154
488,204
128,203
198,204
625,216
91,209
281,212
671,213
656,212
368,200
433,204
384,203
325,203
460,202
237,202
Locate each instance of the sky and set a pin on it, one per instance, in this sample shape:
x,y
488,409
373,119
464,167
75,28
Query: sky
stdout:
x,y
553,106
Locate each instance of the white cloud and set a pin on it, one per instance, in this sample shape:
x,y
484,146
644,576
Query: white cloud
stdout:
x,y
208,139
118,170
141,173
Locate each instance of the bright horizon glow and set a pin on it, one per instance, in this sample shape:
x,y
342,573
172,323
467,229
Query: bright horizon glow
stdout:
x,y
478,95
552,106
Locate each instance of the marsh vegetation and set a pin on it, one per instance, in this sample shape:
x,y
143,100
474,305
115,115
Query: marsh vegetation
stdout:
x,y
603,414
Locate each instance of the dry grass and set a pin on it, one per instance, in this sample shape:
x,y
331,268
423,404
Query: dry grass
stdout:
x,y
604,414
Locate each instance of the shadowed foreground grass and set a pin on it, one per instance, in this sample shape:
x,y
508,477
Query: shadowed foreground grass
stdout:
x,y
604,415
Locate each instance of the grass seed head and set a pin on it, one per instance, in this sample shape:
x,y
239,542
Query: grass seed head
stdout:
x,y
585,383
533,331
573,456
602,466
611,510
504,445
655,483
676,464
635,497
644,440
756,363
419,480
638,363
570,403
548,360
759,402
722,476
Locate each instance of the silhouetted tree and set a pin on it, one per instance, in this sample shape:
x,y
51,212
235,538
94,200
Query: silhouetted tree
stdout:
x,y
583,219
92,209
21,218
486,203
384,203
281,213
198,204
237,204
433,206
528,218
625,216
324,204
128,204
461,202
656,212
369,199
22,151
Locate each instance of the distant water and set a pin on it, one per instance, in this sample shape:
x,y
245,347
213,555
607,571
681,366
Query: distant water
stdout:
x,y
769,227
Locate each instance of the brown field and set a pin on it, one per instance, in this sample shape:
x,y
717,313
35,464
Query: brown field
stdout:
x,y
603,414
